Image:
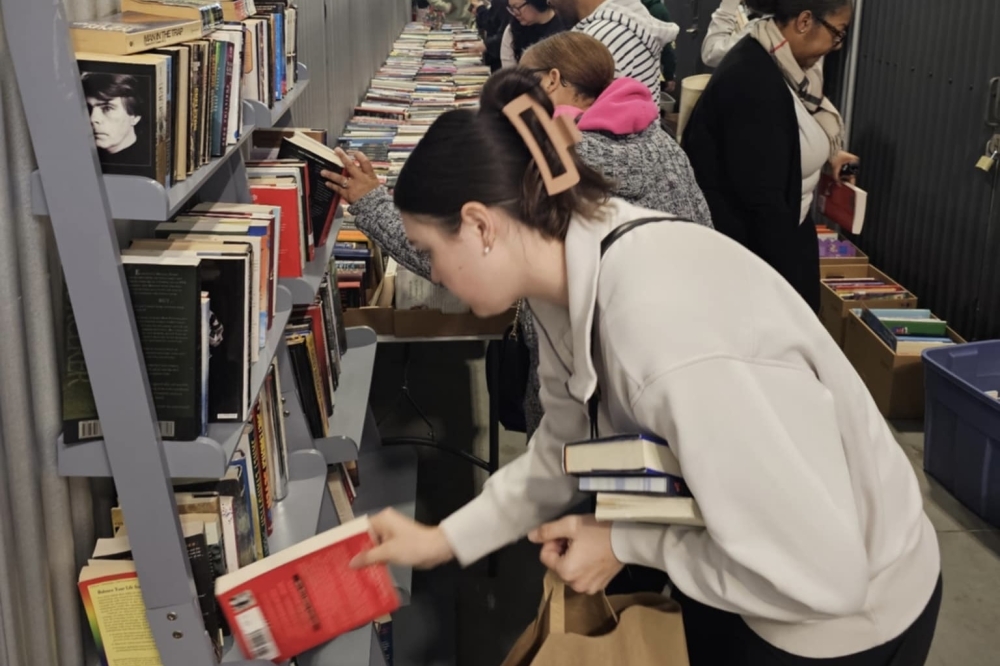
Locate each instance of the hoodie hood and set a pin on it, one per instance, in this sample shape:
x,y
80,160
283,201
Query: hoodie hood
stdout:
x,y
654,32
625,107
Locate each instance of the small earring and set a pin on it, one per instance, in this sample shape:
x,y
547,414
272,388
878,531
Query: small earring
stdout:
x,y
486,250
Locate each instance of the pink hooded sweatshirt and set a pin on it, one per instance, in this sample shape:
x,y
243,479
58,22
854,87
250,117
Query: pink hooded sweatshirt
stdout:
x,y
625,107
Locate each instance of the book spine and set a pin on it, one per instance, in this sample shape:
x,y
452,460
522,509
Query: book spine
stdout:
x,y
227,95
318,383
877,327
195,111
265,474
162,124
152,39
258,483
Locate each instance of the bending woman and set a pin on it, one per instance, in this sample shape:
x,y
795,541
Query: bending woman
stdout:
x,y
622,138
816,546
762,132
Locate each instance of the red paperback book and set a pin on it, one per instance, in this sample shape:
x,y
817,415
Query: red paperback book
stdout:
x,y
842,203
305,595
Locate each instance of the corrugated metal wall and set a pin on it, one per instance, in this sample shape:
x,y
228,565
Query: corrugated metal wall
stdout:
x,y
923,73
343,43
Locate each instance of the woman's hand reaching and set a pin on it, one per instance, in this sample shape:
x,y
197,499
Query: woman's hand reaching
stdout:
x,y
406,542
357,180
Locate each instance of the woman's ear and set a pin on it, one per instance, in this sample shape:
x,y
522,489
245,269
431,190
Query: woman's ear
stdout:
x,y
552,80
479,224
804,22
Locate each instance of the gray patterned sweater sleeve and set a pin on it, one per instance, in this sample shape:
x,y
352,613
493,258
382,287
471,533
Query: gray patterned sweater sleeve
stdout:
x,y
649,170
377,217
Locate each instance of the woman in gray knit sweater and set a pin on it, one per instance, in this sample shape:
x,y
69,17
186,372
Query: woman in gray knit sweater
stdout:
x,y
622,138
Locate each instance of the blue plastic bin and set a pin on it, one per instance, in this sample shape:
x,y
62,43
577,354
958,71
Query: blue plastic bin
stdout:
x,y
962,424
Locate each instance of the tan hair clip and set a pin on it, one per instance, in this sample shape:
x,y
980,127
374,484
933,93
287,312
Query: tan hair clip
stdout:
x,y
561,132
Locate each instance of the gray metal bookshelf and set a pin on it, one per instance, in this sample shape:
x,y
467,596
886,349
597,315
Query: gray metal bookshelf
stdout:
x,y
83,205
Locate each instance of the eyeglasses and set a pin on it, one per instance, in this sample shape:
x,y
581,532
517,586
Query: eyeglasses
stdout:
x,y
516,10
838,35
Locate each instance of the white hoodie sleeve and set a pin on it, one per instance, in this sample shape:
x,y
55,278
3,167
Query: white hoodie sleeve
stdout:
x,y
759,448
723,33
507,58
532,489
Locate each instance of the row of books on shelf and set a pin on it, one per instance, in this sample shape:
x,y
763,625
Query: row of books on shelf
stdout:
x,y
427,73
165,81
204,291
226,524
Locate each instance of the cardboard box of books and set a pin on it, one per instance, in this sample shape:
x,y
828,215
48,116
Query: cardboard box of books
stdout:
x,y
850,286
835,250
884,345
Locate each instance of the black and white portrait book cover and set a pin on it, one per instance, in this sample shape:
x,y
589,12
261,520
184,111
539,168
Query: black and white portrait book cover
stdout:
x,y
122,103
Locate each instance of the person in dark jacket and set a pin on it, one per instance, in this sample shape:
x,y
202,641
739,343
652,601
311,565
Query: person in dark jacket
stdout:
x,y
533,21
762,132
668,57
491,22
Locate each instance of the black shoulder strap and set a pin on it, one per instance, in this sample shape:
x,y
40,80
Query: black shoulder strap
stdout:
x,y
623,229
593,404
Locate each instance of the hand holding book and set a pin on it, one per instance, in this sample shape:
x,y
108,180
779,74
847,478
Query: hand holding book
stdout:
x,y
357,179
405,542
842,159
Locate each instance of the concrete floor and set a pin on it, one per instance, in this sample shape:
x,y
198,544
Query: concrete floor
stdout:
x,y
465,618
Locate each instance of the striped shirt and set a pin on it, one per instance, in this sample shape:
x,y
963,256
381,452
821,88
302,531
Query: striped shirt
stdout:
x,y
634,38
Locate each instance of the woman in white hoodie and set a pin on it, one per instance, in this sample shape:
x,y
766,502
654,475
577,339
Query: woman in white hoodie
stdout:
x,y
816,546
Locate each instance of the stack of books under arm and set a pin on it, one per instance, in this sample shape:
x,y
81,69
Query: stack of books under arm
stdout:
x,y
164,80
636,478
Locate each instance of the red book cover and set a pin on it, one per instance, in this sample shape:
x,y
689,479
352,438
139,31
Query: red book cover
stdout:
x,y
842,203
306,595
286,197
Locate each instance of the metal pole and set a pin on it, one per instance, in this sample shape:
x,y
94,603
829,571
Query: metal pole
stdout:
x,y
847,106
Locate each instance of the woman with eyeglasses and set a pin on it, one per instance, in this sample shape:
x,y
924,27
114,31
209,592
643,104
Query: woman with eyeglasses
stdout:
x,y
762,133
533,21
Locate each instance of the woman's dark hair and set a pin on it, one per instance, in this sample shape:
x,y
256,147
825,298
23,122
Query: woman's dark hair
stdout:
x,y
468,156
106,87
786,10
540,5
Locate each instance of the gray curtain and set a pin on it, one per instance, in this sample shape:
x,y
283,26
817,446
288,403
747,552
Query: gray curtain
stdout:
x,y
46,522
